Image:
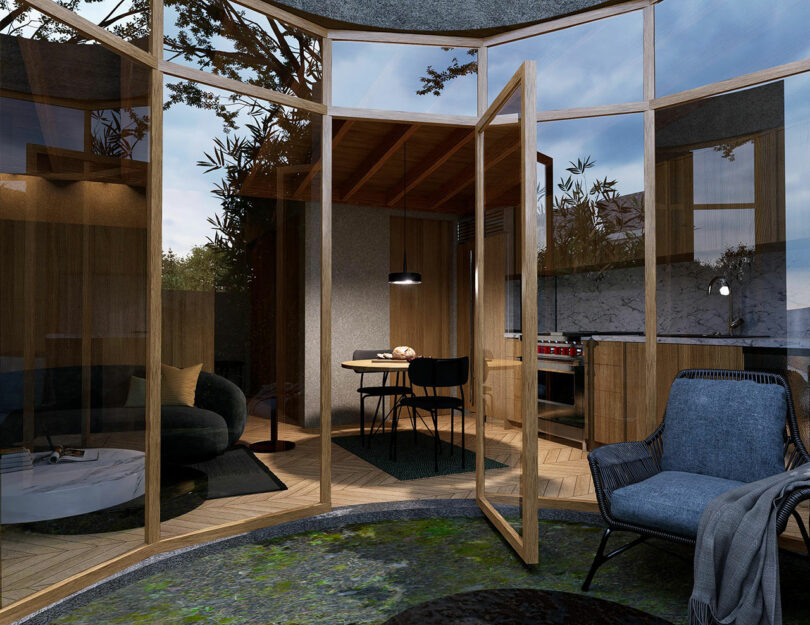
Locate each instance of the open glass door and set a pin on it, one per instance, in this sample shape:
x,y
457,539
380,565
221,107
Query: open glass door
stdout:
x,y
505,320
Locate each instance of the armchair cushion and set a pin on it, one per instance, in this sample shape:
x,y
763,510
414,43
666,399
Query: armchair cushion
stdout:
x,y
725,428
670,501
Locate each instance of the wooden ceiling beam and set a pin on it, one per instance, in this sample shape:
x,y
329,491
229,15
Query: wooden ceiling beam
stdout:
x,y
340,129
457,140
501,154
378,157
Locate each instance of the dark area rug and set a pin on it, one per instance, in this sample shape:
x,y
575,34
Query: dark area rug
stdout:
x,y
414,458
183,488
522,606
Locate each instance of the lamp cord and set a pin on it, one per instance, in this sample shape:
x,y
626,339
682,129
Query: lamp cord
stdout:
x,y
404,209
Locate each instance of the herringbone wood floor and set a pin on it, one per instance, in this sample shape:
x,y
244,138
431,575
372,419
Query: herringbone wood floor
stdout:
x,y
32,561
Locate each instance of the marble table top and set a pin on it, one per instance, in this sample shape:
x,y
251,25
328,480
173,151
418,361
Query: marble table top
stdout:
x,y
53,491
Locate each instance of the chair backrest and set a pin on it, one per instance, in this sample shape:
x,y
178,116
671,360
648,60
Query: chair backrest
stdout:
x,y
739,431
368,354
439,372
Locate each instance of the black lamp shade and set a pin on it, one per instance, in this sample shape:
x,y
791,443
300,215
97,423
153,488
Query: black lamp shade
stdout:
x,y
404,277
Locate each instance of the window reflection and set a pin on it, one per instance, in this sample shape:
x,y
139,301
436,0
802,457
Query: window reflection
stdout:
x,y
596,63
398,77
698,42
230,40
74,145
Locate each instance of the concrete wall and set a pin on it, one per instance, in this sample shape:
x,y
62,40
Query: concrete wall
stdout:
x,y
360,301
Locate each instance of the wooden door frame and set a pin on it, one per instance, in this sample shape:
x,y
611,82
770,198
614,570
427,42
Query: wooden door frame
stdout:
x,y
527,544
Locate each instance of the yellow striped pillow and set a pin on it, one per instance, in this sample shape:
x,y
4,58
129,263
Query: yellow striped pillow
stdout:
x,y
178,387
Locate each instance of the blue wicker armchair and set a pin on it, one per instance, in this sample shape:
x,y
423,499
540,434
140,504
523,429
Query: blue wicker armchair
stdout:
x,y
723,428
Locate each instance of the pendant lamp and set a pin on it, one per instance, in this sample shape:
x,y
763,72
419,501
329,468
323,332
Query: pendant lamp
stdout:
x,y
404,276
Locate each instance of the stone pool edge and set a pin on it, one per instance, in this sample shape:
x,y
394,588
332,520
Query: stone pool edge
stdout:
x,y
339,517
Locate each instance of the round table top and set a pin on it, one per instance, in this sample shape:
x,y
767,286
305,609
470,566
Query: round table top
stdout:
x,y
369,366
52,491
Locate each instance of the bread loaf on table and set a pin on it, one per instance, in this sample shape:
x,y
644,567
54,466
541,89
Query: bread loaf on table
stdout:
x,y
403,352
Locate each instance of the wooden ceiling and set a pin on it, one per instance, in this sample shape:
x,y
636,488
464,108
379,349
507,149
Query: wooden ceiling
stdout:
x,y
439,169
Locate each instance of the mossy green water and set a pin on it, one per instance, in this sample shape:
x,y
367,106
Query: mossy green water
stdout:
x,y
367,573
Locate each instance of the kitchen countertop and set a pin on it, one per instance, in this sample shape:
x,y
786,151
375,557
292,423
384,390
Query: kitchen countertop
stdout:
x,y
743,341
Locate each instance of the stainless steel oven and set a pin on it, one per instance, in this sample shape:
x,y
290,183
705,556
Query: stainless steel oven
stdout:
x,y
561,387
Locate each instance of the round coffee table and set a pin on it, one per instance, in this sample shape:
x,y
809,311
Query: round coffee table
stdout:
x,y
54,491
522,606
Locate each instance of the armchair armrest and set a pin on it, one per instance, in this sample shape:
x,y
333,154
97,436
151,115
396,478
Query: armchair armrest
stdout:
x,y
621,464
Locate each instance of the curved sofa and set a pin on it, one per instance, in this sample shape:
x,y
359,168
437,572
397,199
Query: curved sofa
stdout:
x,y
188,433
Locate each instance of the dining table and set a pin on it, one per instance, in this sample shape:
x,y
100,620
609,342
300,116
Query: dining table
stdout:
x,y
385,366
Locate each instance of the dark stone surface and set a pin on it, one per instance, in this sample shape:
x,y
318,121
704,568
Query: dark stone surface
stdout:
x,y
522,606
340,517
461,16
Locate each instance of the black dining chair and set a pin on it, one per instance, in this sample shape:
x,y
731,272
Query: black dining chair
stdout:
x,y
432,374
382,391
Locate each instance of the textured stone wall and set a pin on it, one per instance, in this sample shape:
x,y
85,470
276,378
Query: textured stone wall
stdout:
x,y
436,15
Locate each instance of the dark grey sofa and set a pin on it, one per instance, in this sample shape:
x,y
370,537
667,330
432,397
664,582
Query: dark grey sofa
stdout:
x,y
188,434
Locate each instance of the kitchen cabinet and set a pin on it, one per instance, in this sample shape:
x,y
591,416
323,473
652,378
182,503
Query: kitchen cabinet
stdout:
x,y
617,384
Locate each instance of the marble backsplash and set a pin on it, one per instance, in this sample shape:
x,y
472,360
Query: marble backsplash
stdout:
x,y
613,301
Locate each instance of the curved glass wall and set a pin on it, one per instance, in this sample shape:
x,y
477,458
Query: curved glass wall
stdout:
x,y
698,42
399,77
596,63
74,151
590,261
731,204
241,295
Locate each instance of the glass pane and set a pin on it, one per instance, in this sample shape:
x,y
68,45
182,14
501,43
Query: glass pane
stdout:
x,y
596,63
398,77
501,377
241,241
733,234
230,40
74,145
699,42
128,19
590,284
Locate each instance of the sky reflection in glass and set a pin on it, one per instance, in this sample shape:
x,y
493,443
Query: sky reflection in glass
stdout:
x,y
387,76
596,63
698,42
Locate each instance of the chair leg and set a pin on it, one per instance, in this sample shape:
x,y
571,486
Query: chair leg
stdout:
x,y
374,421
600,558
436,442
803,531
362,420
413,421
463,444
452,427
392,445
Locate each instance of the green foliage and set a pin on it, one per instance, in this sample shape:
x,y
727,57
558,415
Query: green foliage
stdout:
x,y
196,271
594,228
435,81
734,263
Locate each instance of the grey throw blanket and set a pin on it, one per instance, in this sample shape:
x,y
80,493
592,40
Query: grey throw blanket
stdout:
x,y
736,555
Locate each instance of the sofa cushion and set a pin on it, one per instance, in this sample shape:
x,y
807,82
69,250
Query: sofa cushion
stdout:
x,y
191,434
725,428
671,500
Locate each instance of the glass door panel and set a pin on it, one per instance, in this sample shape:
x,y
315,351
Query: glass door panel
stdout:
x,y
505,303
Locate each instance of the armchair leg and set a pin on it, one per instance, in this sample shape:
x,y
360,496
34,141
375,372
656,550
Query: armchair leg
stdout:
x,y
600,558
803,531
